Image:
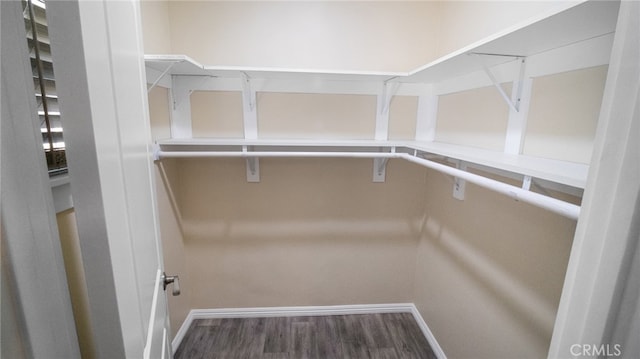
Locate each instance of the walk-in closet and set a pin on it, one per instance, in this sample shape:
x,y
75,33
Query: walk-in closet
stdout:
x,y
428,179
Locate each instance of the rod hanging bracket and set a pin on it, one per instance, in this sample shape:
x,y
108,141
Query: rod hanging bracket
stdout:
x,y
253,169
526,183
155,152
253,166
459,184
379,169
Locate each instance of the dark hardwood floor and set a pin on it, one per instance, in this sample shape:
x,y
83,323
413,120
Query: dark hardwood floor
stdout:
x,y
393,335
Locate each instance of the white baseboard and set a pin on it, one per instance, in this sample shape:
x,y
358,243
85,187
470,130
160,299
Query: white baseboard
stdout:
x,y
307,311
435,346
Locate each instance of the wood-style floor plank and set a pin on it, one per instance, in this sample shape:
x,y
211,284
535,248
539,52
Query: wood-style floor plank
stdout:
x,y
376,336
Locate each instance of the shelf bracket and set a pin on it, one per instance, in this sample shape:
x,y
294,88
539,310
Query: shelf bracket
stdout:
x,y
180,92
247,93
385,96
162,75
379,169
249,113
512,105
183,86
459,184
516,126
388,91
520,83
253,167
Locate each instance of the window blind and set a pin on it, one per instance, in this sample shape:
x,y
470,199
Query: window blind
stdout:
x,y
45,86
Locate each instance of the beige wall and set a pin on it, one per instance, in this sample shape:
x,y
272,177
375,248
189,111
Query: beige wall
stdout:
x,y
312,232
475,118
402,118
489,272
564,114
307,116
465,22
156,29
388,35
385,36
70,244
217,114
316,116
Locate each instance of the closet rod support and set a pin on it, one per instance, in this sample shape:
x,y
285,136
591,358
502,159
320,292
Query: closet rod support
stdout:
x,y
526,183
380,169
459,184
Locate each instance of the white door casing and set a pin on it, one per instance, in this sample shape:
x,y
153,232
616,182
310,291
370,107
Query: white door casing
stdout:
x,y
599,303
98,61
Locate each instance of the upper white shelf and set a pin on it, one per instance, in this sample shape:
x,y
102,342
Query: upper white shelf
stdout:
x,y
563,27
562,172
569,24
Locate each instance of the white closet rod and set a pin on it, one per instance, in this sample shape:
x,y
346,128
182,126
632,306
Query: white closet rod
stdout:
x,y
200,154
563,208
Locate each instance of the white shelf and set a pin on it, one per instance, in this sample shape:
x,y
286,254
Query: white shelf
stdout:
x,y
572,36
563,27
184,65
562,172
569,24
568,173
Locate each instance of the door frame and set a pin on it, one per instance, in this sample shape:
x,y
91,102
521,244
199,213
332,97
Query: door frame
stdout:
x,y
100,79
